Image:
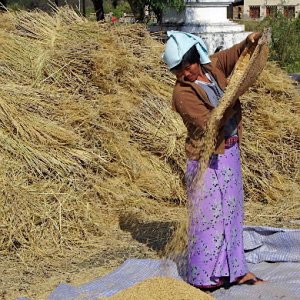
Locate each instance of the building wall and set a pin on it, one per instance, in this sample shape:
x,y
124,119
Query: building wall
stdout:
x,y
238,11
266,7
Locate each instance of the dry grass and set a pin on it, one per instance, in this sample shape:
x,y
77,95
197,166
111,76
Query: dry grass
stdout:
x,y
87,134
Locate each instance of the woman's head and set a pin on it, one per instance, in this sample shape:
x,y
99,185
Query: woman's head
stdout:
x,y
189,65
182,44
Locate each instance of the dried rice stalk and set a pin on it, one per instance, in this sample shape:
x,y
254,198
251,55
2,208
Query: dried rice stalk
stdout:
x,y
161,128
247,70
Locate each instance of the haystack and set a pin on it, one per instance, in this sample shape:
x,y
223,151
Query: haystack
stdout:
x,y
87,134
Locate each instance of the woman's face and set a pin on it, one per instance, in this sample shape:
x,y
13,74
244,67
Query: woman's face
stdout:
x,y
189,72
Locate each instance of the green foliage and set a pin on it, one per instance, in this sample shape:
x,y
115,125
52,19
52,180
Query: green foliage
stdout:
x,y
15,6
156,6
107,6
159,4
285,41
28,4
119,10
250,25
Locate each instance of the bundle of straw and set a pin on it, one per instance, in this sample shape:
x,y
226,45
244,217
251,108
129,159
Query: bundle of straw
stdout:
x,y
246,71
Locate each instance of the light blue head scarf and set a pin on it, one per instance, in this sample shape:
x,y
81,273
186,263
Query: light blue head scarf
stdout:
x,y
179,43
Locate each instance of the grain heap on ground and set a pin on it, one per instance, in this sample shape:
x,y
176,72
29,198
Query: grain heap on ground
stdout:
x,y
159,288
87,135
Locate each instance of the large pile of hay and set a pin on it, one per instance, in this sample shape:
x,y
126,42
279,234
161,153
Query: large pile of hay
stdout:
x,y
87,134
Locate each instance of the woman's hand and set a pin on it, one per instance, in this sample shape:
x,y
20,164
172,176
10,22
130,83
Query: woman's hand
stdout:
x,y
253,37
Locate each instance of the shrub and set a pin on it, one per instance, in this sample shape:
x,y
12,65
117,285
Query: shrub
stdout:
x,y
285,41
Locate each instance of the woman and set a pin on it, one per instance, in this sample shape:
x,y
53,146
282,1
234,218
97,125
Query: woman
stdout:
x,y
215,248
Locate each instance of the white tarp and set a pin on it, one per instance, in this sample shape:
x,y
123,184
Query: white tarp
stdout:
x,y
272,253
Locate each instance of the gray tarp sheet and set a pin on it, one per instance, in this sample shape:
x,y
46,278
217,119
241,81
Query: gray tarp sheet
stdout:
x,y
272,253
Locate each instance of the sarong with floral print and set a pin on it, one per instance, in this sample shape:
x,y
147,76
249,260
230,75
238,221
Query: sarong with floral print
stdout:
x,y
215,232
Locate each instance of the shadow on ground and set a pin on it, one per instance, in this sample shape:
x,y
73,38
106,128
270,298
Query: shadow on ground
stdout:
x,y
155,234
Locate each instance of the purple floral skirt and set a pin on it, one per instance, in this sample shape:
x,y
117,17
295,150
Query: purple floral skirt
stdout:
x,y
215,231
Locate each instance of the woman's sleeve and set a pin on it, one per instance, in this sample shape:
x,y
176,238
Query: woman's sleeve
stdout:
x,y
192,110
228,58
